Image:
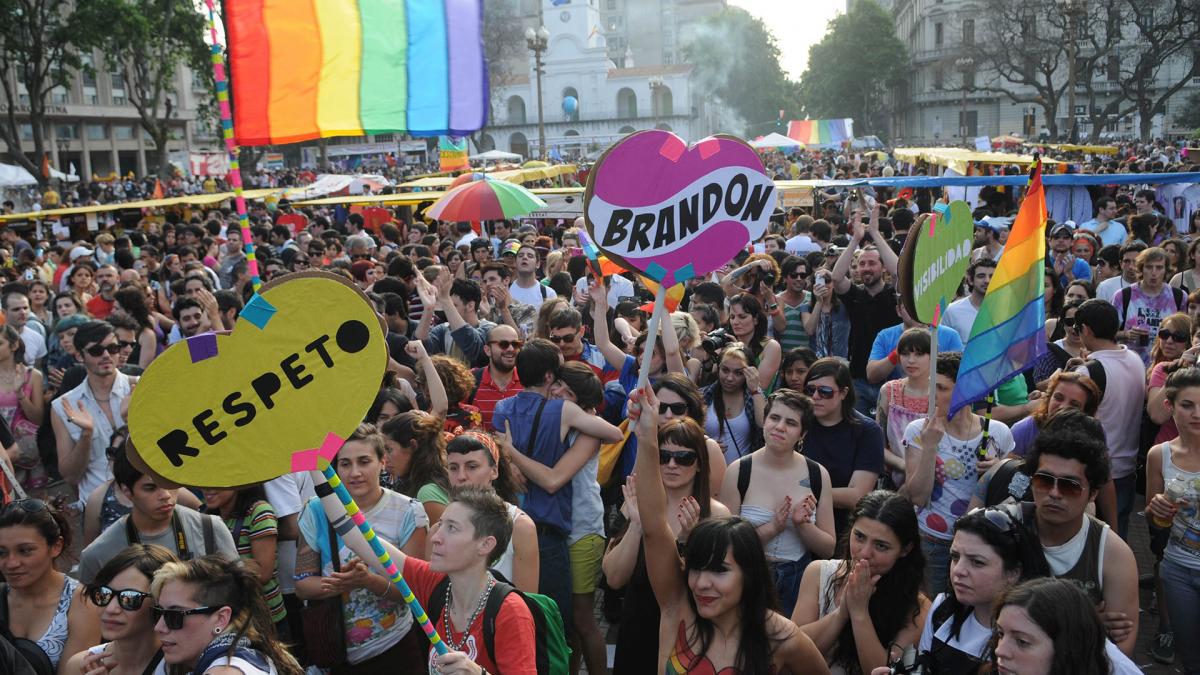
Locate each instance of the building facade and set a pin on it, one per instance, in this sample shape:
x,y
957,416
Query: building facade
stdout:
x,y
610,101
92,126
938,102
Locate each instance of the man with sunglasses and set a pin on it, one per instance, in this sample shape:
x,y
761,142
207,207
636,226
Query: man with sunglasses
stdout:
x,y
794,296
85,417
1068,467
498,379
155,518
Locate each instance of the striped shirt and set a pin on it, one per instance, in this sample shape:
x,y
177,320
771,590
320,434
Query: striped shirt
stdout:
x,y
488,393
794,334
258,523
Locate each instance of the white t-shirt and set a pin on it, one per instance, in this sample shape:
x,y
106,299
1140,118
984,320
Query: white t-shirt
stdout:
x,y
534,296
1109,287
287,495
801,244
972,639
35,344
960,315
618,287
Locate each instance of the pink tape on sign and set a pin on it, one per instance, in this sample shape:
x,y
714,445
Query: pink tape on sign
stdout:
x,y
709,148
306,460
673,148
933,217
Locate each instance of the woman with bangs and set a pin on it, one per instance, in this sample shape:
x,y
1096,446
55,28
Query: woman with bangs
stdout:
x,y
1173,338
748,324
788,499
904,400
717,615
1156,386
685,472
858,607
1065,389
679,398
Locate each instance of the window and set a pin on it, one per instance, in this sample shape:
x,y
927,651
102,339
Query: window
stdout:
x,y
939,78
88,71
969,125
67,131
90,97
939,35
968,78
26,132
612,4
1112,69
96,132
118,88
58,95
123,132
968,37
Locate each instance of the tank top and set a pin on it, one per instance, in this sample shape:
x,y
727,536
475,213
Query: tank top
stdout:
x,y
736,436
902,409
637,634
1081,558
55,637
10,409
683,661
111,509
505,564
1183,546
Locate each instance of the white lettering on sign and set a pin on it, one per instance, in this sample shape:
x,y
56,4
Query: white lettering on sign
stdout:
x,y
940,265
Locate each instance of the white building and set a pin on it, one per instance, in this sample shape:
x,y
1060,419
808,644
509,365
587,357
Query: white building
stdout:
x,y
611,101
934,106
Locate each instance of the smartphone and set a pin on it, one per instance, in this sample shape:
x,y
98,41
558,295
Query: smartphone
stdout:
x,y
820,281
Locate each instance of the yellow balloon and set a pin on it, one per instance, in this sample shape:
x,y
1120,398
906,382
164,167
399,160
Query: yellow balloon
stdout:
x,y
296,375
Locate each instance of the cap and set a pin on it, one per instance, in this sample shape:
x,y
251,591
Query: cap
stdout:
x,y
510,247
1061,228
70,321
79,252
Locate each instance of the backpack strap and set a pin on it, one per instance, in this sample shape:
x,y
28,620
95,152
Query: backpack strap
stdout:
x,y
1095,371
542,289
1180,298
210,541
490,611
743,479
814,478
1001,478
1126,296
437,601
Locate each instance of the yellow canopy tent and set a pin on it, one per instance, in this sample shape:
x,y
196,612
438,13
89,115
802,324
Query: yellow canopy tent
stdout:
x,y
960,159
192,200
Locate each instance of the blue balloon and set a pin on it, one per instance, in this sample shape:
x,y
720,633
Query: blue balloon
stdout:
x,y
570,104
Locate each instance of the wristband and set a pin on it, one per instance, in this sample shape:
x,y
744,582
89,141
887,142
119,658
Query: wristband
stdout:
x,y
893,358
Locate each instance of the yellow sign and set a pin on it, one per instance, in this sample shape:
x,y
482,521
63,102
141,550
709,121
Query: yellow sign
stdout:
x,y
795,197
300,369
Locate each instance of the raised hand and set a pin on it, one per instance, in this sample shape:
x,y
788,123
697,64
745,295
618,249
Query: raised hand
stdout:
x,y
78,415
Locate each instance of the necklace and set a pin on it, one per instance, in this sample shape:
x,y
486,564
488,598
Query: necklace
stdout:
x,y
466,632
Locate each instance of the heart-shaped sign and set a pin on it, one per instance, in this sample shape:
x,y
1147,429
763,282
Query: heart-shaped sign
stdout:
x,y
934,259
673,212
298,372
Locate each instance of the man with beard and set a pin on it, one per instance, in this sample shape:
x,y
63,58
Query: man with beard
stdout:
x,y
498,379
101,306
960,315
84,418
871,304
987,240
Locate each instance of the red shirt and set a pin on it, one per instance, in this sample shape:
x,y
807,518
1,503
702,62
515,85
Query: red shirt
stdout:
x,y
487,394
516,648
100,308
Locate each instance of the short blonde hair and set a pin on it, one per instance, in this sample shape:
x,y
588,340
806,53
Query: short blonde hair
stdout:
x,y
686,329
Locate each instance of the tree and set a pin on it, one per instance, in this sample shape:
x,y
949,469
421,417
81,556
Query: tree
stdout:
x,y
505,53
148,41
1191,113
40,45
736,61
1166,31
852,67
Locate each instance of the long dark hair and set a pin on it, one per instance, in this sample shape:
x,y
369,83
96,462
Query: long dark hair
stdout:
x,y
897,597
428,460
705,551
1017,547
1060,608
836,368
41,516
145,558
754,308
133,301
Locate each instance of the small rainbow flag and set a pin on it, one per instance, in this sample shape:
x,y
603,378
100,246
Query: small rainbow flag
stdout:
x,y
821,133
452,154
1009,333
304,69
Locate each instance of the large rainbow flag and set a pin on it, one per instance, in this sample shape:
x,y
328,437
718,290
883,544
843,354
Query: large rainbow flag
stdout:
x,y
821,133
304,69
1009,333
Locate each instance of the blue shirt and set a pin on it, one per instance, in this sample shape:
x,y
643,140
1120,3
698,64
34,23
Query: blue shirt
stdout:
x,y
886,340
547,448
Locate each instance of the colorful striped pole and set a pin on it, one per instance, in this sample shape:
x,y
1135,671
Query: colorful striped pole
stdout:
x,y
235,171
334,484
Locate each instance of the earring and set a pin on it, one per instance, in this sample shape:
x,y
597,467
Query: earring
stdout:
x,y
216,631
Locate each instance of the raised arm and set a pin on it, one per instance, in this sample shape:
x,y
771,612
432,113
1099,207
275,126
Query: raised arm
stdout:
x,y
670,343
920,458
663,564
438,401
612,354
573,417
429,297
886,255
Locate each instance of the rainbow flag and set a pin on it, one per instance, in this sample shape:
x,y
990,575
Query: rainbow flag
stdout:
x,y
452,154
304,69
1009,333
822,133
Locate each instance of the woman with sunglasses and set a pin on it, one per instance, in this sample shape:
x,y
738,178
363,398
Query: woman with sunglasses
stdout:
x,y
716,614
44,605
121,590
943,462
736,403
377,625
1049,626
687,476
1174,337
991,552
904,400
678,397
210,618
844,441
788,499
1060,351
858,607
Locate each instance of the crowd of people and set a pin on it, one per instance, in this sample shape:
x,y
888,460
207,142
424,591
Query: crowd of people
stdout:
x,y
779,497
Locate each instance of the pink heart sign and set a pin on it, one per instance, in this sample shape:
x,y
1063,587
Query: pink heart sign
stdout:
x,y
673,212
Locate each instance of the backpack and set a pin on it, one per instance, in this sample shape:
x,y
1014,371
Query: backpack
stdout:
x,y
20,655
553,653
1007,482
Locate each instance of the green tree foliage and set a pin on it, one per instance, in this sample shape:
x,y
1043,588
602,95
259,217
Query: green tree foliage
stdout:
x,y
852,67
1190,117
737,61
40,46
148,41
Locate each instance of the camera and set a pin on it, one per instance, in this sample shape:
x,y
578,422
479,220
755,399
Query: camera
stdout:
x,y
767,279
716,341
911,663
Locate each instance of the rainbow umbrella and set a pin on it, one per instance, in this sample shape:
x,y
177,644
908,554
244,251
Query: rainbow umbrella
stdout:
x,y
485,199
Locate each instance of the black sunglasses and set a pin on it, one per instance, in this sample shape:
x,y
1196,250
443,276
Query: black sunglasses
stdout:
x,y
129,599
1069,487
681,457
173,618
98,350
507,344
998,518
563,339
824,391
124,344
1168,335
1069,322
799,275
675,408
31,505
